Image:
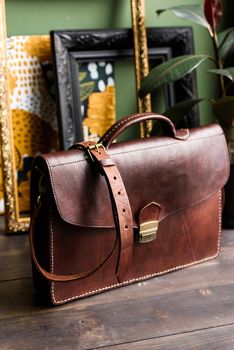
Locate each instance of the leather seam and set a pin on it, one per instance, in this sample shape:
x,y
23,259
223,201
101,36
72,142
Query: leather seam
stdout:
x,y
165,145
113,226
52,251
146,276
132,151
74,162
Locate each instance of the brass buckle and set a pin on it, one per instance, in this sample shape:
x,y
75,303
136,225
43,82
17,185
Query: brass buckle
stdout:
x,y
96,147
148,231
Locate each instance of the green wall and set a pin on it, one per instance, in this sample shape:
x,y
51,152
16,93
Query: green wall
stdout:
x,y
41,16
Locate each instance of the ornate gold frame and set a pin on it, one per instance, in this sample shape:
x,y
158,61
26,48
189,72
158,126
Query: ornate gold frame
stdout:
x,y
141,58
14,223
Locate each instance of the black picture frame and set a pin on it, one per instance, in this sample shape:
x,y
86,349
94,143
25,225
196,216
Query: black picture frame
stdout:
x,y
70,47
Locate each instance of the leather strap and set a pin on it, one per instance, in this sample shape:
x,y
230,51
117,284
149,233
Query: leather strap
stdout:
x,y
121,212
56,277
120,204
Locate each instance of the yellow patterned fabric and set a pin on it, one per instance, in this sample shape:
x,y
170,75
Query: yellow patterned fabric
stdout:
x,y
31,136
32,107
38,46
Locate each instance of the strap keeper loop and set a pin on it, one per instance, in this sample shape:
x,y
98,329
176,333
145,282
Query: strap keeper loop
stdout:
x,y
95,147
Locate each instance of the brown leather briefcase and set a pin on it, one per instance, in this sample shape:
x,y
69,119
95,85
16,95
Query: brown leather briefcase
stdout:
x,y
106,215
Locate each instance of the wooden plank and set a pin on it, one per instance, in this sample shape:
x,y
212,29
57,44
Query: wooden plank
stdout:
x,y
213,338
14,257
184,301
120,322
2,224
227,238
188,309
17,298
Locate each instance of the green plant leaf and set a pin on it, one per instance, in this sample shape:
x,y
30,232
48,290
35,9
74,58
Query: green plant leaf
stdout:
x,y
86,89
226,42
224,110
227,72
223,35
193,13
177,112
170,71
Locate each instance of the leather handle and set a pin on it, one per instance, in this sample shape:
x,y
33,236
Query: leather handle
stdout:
x,y
130,120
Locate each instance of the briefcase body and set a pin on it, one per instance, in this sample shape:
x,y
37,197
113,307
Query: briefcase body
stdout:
x,y
109,214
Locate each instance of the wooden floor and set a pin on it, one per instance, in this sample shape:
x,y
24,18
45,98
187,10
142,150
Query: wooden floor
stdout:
x,y
188,309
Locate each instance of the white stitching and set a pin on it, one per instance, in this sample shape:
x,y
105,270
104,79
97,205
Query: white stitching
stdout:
x,y
136,279
220,222
171,143
124,121
147,276
52,250
134,116
74,162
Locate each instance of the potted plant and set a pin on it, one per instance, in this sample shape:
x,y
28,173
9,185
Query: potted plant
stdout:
x,y
208,15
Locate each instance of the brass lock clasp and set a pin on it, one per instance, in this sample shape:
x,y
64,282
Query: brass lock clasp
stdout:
x,y
148,231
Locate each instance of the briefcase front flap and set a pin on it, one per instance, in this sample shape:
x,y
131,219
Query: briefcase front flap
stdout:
x,y
175,174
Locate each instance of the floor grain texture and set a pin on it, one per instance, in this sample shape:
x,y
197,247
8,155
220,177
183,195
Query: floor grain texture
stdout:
x,y
188,309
